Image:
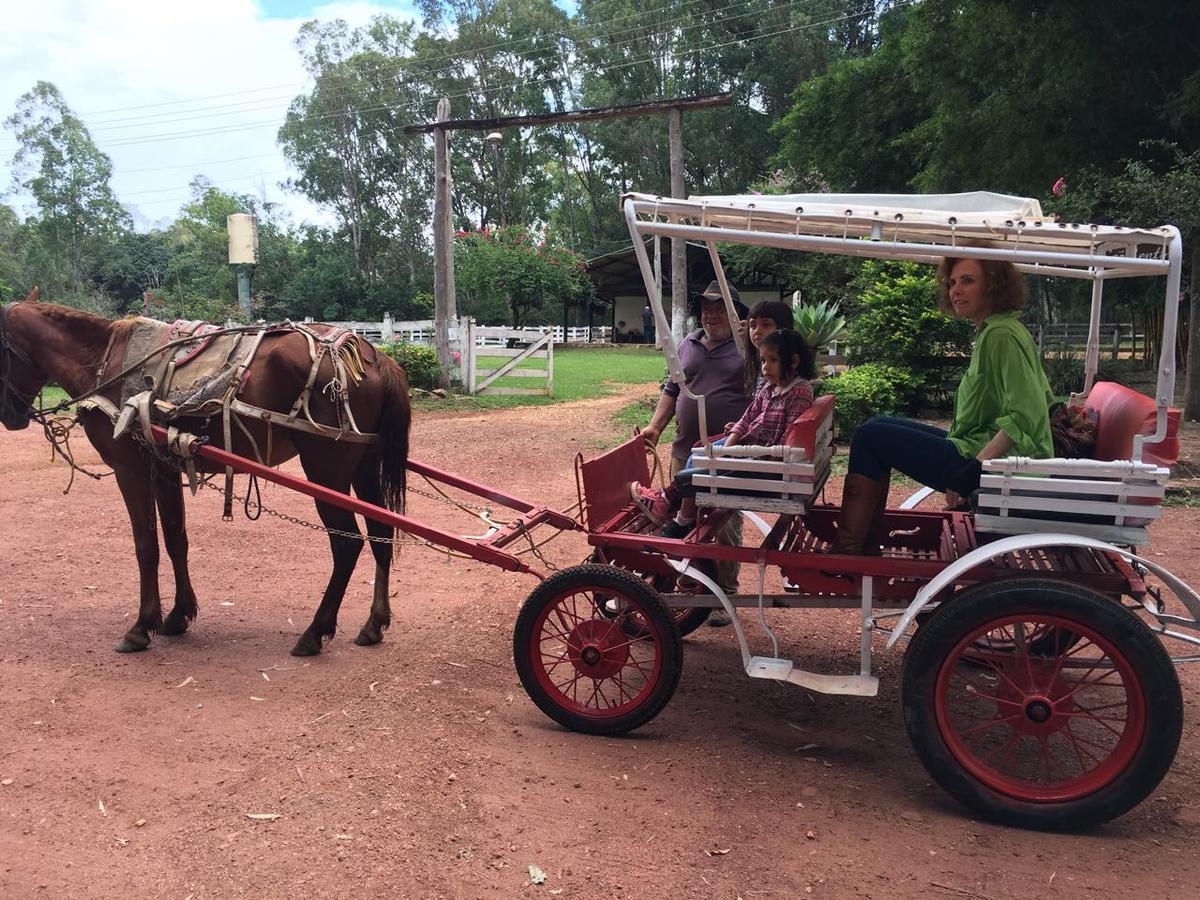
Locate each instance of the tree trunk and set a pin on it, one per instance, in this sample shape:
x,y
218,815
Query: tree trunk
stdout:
x,y
445,307
1191,396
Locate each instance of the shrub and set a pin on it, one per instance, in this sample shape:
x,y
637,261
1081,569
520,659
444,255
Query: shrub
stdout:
x,y
1065,371
899,325
420,363
868,390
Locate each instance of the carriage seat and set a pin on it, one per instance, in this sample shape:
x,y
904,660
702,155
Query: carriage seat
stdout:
x,y
1109,497
780,479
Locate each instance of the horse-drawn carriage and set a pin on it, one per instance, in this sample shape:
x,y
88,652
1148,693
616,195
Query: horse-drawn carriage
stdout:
x,y
1036,689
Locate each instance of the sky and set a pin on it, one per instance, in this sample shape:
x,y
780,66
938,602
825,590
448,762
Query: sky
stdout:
x,y
172,90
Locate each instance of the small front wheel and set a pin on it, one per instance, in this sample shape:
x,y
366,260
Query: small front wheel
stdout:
x,y
597,650
1038,732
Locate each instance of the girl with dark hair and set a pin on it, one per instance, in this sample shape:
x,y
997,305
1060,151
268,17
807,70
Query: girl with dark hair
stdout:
x,y
765,317
787,366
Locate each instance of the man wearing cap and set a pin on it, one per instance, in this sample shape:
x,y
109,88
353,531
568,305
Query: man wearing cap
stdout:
x,y
713,367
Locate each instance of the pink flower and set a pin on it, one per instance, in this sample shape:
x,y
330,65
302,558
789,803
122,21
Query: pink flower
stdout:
x,y
1060,187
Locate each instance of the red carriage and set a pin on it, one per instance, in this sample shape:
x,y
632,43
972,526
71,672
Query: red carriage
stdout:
x,y
1036,688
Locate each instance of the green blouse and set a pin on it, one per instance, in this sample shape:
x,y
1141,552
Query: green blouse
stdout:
x,y
1005,389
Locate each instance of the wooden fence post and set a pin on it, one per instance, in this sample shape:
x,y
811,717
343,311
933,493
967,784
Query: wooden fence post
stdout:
x,y
444,303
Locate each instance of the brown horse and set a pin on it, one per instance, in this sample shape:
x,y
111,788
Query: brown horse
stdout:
x,y
41,343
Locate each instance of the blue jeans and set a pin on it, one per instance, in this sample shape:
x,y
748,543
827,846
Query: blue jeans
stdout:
x,y
919,451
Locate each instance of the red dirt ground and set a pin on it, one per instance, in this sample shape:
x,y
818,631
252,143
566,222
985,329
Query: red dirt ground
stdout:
x,y
419,768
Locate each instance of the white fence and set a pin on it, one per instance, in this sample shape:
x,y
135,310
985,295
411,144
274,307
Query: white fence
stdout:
x,y
422,332
483,381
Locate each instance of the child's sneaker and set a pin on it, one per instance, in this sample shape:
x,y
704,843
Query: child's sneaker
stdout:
x,y
655,505
718,618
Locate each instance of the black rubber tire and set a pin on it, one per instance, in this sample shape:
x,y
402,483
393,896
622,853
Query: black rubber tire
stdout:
x,y
660,637
1151,747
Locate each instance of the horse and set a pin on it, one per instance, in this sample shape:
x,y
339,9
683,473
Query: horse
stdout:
x,y
42,343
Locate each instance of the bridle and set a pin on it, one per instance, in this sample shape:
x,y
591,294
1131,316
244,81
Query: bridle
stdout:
x,y
7,354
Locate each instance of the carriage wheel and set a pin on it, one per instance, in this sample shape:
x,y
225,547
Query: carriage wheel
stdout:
x,y
578,663
1038,739
687,618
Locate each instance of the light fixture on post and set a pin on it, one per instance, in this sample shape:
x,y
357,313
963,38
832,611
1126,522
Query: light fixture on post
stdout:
x,y
495,138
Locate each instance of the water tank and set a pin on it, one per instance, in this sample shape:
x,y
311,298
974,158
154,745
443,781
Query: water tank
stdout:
x,y
243,239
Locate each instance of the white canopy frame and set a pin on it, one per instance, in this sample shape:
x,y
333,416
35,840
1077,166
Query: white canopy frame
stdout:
x,y
920,228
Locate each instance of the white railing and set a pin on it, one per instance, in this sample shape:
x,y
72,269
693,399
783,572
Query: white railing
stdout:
x,y
422,332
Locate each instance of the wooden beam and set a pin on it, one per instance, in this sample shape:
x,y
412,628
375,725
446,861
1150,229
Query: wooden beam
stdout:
x,y
655,107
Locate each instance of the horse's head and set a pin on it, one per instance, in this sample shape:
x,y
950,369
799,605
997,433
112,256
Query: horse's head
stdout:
x,y
20,380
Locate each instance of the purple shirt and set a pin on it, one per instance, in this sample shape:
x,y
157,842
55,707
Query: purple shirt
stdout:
x,y
718,374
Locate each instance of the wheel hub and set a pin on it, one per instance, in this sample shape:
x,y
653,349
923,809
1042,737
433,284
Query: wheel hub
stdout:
x,y
598,648
1027,693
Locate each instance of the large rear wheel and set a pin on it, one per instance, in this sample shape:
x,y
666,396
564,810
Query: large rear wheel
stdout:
x,y
1034,731
591,669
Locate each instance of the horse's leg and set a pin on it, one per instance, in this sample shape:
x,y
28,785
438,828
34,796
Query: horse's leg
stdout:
x,y
134,479
366,486
168,492
326,463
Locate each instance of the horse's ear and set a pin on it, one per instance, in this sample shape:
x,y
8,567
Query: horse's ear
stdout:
x,y
33,296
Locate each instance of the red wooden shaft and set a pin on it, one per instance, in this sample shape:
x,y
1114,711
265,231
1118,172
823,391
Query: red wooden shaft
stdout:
x,y
478,551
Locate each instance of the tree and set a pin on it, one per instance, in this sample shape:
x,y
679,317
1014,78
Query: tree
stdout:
x,y
347,140
508,276
68,177
1161,187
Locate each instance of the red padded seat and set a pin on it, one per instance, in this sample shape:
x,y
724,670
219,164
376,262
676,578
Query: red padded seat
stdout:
x,y
804,430
1123,413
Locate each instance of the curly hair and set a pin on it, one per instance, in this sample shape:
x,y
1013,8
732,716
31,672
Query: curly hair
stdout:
x,y
1004,287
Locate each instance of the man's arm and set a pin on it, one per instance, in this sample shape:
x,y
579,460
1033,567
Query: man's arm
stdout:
x,y
663,413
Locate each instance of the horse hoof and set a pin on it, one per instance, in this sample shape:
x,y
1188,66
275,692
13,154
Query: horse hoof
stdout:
x,y
369,636
128,646
304,648
173,628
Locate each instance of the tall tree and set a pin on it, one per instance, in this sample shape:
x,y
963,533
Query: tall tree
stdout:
x,y
346,138
68,178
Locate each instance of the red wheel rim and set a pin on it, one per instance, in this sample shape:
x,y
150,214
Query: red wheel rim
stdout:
x,y
1041,728
593,664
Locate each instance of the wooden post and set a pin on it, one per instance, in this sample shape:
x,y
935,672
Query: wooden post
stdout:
x,y
444,304
678,245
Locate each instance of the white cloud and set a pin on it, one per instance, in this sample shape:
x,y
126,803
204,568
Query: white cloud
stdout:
x,y
219,67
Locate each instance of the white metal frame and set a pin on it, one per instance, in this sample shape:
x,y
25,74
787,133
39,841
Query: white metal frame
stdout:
x,y
925,229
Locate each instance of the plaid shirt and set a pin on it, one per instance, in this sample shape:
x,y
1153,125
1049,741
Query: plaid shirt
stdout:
x,y
766,420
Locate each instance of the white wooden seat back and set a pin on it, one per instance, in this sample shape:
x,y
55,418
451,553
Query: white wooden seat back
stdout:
x,y
785,478
1111,498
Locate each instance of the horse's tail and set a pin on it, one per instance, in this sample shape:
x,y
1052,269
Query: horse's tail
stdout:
x,y
393,434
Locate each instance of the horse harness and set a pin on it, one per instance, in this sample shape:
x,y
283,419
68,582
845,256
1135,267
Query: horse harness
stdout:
x,y
194,369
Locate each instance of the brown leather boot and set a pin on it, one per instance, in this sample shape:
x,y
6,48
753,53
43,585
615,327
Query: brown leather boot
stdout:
x,y
863,499
875,534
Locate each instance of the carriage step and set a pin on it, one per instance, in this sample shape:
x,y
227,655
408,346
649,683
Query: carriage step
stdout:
x,y
785,670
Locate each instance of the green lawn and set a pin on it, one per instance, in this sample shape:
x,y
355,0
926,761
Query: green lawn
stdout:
x,y
579,373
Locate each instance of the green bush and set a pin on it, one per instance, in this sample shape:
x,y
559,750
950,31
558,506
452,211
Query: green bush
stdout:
x,y
1064,371
420,363
868,390
898,324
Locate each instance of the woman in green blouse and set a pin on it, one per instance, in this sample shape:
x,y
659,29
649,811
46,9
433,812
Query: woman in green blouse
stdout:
x,y
1001,408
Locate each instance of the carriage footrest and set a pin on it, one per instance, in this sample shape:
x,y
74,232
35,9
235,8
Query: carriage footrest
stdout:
x,y
785,670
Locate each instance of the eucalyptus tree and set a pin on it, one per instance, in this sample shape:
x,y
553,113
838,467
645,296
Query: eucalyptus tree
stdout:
x,y
346,138
496,58
68,178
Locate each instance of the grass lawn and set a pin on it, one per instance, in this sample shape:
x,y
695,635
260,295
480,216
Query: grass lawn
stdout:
x,y
579,373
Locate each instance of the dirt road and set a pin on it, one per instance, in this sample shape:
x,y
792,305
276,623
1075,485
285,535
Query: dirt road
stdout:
x,y
216,765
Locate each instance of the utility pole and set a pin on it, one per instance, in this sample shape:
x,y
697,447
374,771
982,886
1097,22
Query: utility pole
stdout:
x,y
445,304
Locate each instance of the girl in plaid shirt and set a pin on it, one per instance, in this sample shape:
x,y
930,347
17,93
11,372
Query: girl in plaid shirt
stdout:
x,y
787,364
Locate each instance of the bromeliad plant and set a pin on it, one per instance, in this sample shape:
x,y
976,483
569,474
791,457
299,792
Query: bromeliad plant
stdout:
x,y
818,323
